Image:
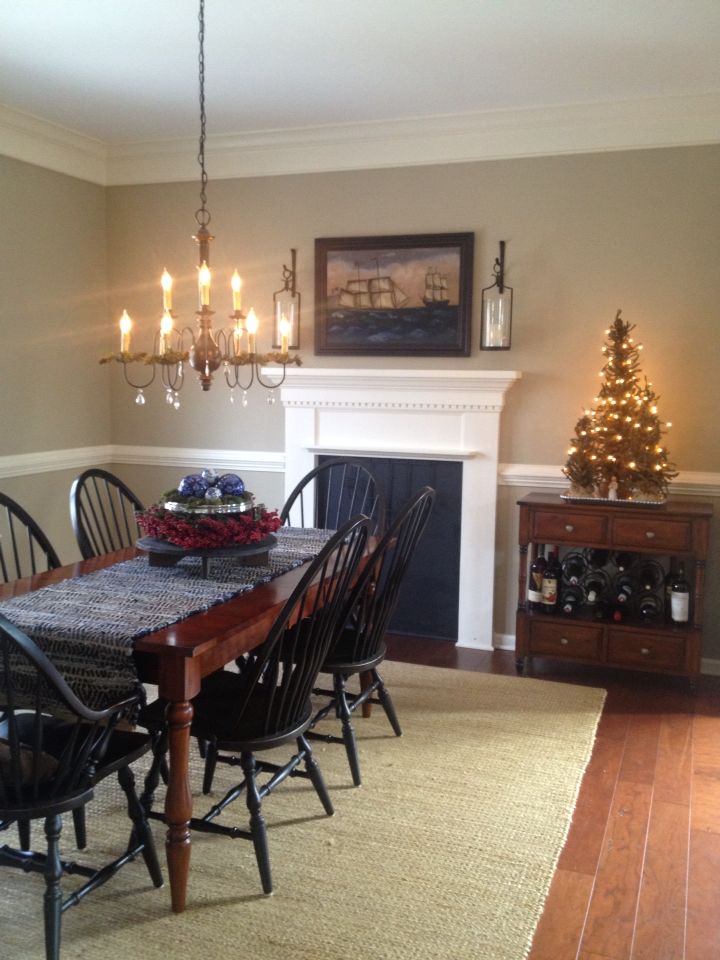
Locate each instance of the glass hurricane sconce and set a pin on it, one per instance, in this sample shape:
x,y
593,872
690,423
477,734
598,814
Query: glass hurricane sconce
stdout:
x,y
496,309
286,304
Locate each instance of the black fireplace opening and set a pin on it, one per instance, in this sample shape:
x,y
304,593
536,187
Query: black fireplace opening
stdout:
x,y
429,597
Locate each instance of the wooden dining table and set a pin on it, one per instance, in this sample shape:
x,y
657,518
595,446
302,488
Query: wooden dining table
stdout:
x,y
176,658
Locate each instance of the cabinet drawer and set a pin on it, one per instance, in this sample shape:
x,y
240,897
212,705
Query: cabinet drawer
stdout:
x,y
646,650
583,642
552,526
656,533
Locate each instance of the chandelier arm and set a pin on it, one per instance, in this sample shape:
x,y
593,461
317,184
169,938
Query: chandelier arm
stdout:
x,y
266,383
236,378
138,386
171,380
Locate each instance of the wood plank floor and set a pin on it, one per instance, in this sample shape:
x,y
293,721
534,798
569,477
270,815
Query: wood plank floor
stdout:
x,y
639,876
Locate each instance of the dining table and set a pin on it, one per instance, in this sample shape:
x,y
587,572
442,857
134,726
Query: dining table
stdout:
x,y
176,658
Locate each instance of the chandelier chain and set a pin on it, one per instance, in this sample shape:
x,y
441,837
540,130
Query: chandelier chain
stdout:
x,y
202,215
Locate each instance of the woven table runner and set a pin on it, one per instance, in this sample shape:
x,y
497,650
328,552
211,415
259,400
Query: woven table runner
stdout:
x,y
87,625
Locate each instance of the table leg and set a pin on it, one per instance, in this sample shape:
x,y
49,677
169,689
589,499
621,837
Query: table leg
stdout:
x,y
178,801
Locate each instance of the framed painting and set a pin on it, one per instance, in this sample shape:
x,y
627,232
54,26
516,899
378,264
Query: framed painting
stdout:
x,y
394,296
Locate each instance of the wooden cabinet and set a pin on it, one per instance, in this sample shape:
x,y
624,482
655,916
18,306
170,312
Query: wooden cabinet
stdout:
x,y
672,531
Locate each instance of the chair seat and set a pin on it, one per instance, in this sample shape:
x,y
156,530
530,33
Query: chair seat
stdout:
x,y
216,715
343,657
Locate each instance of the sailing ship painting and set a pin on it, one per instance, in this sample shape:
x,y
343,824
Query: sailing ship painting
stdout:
x,y
436,289
403,297
371,293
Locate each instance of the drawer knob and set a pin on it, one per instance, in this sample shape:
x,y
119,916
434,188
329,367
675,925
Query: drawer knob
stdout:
x,y
650,534
564,641
569,527
644,651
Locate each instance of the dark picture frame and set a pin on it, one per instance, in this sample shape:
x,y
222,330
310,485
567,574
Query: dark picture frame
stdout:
x,y
408,295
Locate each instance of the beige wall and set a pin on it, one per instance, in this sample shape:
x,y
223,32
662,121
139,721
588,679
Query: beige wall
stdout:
x,y
585,235
52,310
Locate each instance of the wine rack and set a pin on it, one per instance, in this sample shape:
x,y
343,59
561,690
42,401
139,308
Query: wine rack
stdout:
x,y
622,619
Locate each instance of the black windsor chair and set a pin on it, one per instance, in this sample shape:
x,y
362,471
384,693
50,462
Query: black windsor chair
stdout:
x,y
331,494
360,646
268,704
51,758
24,551
102,511
24,548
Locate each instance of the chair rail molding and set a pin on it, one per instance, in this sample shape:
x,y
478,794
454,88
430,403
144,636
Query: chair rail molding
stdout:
x,y
430,414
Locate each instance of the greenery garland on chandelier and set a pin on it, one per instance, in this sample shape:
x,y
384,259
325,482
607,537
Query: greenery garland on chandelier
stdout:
x,y
617,452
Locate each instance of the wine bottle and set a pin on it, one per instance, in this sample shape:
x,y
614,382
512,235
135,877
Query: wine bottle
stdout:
x,y
534,593
551,582
649,608
574,567
571,600
680,596
596,585
650,575
623,589
596,558
624,561
669,577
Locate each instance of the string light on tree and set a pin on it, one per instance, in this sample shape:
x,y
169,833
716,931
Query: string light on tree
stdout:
x,y
620,451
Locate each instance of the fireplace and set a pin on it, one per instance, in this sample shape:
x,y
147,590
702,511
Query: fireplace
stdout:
x,y
437,415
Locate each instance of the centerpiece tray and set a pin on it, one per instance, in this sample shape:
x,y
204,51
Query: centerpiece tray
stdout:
x,y
162,553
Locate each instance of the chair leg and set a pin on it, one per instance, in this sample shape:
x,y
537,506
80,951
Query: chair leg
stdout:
x,y
210,755
348,731
316,777
387,704
141,831
53,893
257,821
23,827
152,777
80,827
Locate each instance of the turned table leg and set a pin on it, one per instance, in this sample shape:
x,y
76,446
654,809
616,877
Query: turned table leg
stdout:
x,y
178,801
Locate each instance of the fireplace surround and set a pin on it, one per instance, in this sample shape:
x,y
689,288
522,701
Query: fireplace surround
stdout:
x,y
418,414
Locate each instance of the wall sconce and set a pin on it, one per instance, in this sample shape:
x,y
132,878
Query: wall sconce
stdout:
x,y
496,311
287,310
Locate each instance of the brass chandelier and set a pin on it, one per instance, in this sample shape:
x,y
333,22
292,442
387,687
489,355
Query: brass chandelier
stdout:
x,y
206,349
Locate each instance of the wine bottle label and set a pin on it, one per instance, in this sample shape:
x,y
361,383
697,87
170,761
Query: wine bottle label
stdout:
x,y
549,592
680,607
535,587
592,596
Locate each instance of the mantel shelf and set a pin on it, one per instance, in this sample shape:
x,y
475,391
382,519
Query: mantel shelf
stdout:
x,y
410,453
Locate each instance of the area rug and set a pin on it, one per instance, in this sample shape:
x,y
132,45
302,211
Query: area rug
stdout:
x,y
446,852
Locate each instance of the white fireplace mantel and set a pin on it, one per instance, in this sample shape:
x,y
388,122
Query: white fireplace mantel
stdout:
x,y
424,414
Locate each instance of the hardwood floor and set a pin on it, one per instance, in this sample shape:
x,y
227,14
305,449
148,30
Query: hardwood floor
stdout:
x,y
639,876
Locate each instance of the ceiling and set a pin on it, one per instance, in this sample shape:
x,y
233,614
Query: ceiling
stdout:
x,y
116,78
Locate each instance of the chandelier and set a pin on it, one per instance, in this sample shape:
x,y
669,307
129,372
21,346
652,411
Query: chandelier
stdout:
x,y
205,349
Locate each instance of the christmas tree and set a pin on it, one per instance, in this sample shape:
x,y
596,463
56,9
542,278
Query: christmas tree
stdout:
x,y
616,452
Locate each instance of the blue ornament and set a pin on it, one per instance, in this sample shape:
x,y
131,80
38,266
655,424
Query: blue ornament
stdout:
x,y
231,484
213,493
209,475
192,486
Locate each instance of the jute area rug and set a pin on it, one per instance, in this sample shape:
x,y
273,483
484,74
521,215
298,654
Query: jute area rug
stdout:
x,y
446,851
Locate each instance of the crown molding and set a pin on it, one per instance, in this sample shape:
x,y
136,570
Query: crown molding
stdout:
x,y
45,144
489,135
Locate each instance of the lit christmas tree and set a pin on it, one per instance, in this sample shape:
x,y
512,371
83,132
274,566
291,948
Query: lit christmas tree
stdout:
x,y
616,452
